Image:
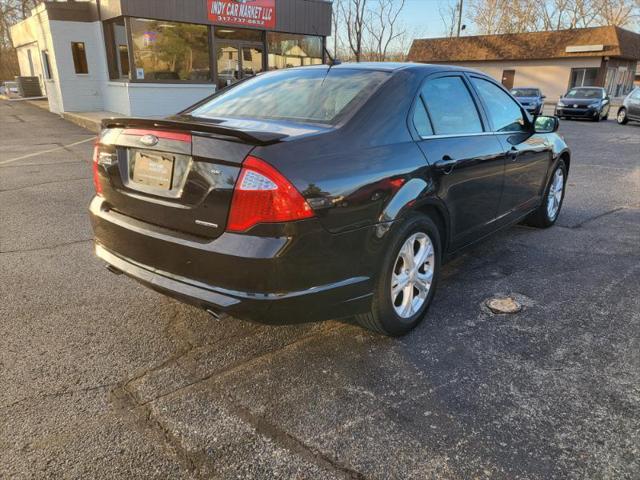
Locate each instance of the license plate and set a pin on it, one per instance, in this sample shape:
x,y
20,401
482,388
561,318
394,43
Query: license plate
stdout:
x,y
153,169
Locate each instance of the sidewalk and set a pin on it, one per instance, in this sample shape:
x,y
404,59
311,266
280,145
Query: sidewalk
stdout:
x,y
89,120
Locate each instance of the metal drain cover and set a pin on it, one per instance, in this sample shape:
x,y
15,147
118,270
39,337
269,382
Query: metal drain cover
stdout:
x,y
503,305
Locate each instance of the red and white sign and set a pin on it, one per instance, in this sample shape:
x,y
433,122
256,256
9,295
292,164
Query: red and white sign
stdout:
x,y
250,13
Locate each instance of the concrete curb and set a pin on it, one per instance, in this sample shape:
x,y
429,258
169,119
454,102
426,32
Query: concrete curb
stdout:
x,y
88,123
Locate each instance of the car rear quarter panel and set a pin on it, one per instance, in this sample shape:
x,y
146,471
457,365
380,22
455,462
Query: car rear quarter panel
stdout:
x,y
350,174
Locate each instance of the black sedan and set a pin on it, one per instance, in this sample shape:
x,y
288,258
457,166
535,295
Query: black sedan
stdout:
x,y
584,102
320,192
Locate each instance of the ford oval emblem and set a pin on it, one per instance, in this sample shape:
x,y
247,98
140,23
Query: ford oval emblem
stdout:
x,y
149,140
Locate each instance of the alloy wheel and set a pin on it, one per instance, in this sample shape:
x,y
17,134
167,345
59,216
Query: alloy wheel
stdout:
x,y
621,116
554,197
412,275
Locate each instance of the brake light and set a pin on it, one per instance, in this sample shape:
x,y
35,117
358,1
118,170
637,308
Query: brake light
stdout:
x,y
96,174
176,136
264,195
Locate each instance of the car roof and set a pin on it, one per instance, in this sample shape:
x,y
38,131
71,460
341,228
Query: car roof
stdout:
x,y
396,66
526,88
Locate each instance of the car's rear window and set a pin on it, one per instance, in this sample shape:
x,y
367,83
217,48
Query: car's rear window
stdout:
x,y
525,92
314,95
585,93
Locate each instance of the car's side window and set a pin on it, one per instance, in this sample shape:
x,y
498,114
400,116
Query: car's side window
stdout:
x,y
636,94
451,107
421,119
504,112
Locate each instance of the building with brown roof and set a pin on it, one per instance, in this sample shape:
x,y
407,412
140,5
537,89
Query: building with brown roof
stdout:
x,y
553,61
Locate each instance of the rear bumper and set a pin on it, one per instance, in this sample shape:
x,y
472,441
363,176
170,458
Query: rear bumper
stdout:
x,y
209,274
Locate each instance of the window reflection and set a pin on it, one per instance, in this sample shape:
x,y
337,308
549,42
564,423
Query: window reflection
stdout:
x,y
170,50
288,50
305,95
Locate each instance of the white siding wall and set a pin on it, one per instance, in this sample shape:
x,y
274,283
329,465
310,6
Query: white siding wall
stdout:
x,y
116,98
165,99
34,33
72,92
551,76
80,92
23,60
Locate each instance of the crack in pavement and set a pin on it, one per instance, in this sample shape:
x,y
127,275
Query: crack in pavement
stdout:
x,y
595,217
48,164
125,400
44,183
140,417
47,248
60,393
291,443
235,367
50,150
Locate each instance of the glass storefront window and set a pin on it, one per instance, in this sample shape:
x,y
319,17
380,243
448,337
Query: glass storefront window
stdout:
x,y
115,36
243,34
238,54
287,50
170,51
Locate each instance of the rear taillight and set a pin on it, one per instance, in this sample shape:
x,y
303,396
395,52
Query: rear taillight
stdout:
x,y
104,156
264,195
96,173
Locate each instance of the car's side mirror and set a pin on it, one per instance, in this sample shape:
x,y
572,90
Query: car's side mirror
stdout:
x,y
545,124
543,97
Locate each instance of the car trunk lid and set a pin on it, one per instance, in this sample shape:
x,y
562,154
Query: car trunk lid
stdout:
x,y
173,173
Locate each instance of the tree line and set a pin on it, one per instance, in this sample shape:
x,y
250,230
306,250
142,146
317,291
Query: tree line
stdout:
x,y
374,30
11,12
515,16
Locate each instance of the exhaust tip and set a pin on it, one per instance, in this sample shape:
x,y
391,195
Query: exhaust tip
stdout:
x,y
114,270
214,314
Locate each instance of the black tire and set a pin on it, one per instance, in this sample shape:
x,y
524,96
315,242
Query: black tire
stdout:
x,y
624,119
597,117
539,218
383,318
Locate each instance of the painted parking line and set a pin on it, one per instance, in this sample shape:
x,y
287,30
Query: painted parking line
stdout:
x,y
35,154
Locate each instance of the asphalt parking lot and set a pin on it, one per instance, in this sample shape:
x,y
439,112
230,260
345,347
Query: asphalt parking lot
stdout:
x,y
102,378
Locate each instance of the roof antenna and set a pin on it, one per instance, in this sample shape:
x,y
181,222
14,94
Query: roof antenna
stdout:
x,y
332,61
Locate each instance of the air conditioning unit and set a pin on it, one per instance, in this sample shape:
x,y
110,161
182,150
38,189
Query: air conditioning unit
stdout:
x,y
29,87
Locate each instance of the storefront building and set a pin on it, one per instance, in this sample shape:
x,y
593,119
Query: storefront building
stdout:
x,y
156,57
553,61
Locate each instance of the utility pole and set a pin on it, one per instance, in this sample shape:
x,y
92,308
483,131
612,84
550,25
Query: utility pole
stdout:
x,y
459,16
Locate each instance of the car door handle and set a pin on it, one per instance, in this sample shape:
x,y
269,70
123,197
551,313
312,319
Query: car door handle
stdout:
x,y
446,164
512,154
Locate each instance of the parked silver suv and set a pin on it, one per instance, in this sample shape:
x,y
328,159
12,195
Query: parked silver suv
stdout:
x,y
630,109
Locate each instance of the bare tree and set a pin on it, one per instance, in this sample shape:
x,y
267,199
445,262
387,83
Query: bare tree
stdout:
x,y
336,25
617,12
513,16
353,14
383,26
11,12
449,16
487,15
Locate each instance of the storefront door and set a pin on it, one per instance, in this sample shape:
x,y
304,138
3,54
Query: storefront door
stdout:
x,y
237,60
